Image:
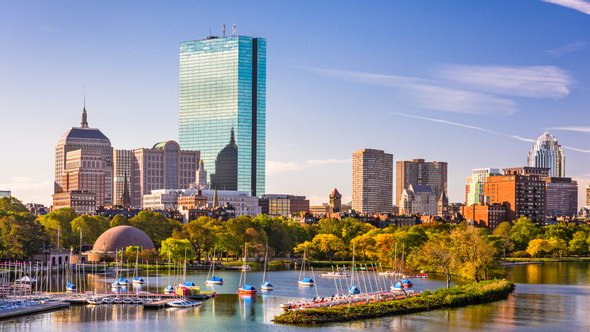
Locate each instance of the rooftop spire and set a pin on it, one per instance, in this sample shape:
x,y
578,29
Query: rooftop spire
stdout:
x,y
232,140
84,123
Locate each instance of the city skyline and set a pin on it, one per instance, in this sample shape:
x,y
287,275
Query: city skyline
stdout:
x,y
389,93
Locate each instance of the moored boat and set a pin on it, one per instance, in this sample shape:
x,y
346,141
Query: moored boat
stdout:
x,y
181,303
306,282
266,286
70,287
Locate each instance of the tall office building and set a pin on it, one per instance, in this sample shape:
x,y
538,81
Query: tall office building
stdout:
x,y
418,173
474,187
372,181
123,173
164,166
84,156
521,190
561,197
223,87
588,195
546,152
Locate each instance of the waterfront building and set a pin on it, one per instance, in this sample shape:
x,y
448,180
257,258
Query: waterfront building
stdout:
x,y
474,187
420,172
419,199
83,202
161,199
5,193
223,87
546,152
521,190
372,181
95,155
164,166
561,197
283,205
122,175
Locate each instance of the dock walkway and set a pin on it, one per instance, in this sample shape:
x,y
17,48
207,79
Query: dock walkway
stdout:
x,y
32,309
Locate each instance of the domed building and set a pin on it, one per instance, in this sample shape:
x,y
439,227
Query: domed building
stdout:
x,y
118,238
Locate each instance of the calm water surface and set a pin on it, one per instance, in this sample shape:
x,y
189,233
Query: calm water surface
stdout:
x,y
548,297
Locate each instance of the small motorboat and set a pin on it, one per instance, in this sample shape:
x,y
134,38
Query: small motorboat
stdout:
x,y
94,300
247,290
117,300
180,303
306,282
136,300
70,287
267,286
397,287
107,300
138,281
335,274
214,281
169,289
127,300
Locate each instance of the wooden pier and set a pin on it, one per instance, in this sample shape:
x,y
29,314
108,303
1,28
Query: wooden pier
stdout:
x,y
32,309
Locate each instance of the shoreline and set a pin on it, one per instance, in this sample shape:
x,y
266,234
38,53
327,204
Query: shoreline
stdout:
x,y
454,297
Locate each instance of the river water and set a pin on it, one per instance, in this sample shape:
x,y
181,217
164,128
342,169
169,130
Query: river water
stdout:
x,y
548,297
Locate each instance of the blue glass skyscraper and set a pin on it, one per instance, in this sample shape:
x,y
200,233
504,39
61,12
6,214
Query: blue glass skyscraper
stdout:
x,y
223,103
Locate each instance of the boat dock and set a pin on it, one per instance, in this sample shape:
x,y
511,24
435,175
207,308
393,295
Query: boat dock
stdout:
x,y
157,304
32,309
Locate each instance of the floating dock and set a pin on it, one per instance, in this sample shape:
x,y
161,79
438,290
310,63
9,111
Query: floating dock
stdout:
x,y
32,309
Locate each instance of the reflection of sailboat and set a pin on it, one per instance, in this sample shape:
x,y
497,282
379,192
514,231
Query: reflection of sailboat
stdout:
x,y
211,278
245,288
303,280
266,285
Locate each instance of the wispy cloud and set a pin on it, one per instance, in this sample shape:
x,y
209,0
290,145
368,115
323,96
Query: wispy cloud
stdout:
x,y
485,130
565,49
533,81
274,167
579,5
582,129
429,94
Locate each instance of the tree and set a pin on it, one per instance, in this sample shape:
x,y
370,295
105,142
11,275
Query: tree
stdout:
x,y
438,255
155,225
59,221
503,234
328,244
177,250
474,253
522,232
539,247
364,245
351,228
578,245
119,220
384,247
91,227
200,234
20,239
11,205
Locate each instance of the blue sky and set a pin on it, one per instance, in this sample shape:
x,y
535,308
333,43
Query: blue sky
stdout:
x,y
467,82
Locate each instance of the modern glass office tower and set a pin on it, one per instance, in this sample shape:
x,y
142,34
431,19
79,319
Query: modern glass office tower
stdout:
x,y
223,86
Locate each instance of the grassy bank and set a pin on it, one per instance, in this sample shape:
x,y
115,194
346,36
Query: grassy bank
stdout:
x,y
458,296
549,259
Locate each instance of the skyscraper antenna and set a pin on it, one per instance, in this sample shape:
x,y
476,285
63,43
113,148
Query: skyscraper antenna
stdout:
x,y
223,30
84,105
234,30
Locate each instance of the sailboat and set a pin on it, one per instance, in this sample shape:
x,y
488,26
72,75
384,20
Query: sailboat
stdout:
x,y
245,288
353,290
266,285
70,287
211,278
137,280
303,280
168,289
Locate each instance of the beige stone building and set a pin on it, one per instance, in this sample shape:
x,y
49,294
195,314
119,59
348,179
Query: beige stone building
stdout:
x,y
372,181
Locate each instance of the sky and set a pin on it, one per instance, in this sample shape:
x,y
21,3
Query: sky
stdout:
x,y
472,83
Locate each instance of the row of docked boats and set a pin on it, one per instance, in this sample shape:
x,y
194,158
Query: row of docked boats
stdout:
x,y
118,300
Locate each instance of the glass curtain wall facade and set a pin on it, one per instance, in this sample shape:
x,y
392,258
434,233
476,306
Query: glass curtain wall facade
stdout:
x,y
223,87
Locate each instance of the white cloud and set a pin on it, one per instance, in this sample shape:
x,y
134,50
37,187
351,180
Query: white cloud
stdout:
x,y
565,49
490,131
582,129
429,94
28,189
532,81
579,5
274,167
